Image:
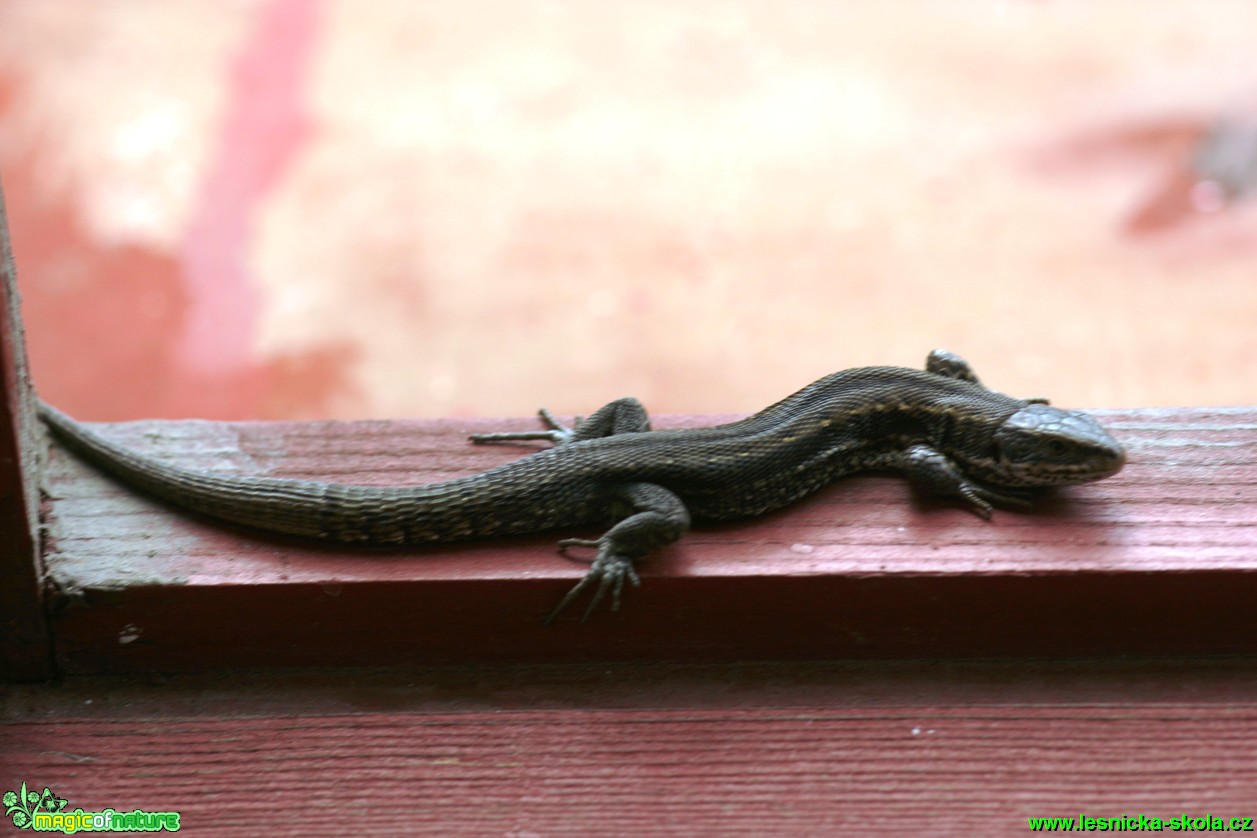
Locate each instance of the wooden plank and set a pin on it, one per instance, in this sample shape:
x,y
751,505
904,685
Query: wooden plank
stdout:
x,y
872,749
1161,559
25,643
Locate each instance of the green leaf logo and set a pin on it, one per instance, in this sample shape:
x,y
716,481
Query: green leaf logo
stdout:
x,y
20,806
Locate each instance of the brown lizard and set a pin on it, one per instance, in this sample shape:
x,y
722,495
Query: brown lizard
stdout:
x,y
948,433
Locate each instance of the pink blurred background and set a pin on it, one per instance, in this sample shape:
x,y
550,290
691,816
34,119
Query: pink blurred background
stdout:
x,y
276,208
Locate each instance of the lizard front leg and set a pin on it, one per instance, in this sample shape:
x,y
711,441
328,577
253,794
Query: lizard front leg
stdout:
x,y
657,517
933,472
950,365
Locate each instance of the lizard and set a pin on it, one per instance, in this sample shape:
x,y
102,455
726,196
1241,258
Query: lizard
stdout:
x,y
942,428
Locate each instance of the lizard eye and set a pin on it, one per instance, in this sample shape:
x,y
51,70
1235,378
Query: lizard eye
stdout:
x,y
1056,449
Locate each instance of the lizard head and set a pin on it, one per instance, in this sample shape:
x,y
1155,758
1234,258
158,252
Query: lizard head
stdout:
x,y
1041,445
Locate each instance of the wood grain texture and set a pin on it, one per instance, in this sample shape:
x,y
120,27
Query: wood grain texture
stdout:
x,y
1161,559
772,750
25,643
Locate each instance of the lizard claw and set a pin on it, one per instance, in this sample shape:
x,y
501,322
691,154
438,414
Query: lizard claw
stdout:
x,y
980,498
559,432
606,575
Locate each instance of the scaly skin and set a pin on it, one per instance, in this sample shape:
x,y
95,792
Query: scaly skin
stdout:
x,y
949,434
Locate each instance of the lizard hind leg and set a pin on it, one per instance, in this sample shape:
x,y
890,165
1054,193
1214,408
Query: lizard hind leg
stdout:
x,y
621,416
658,518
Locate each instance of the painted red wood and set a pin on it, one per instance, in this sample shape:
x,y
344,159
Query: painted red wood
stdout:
x,y
782,750
1159,560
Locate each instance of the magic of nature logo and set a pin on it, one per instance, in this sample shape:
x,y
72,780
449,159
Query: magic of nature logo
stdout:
x,y
45,812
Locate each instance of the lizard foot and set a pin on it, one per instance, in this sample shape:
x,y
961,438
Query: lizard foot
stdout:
x,y
557,432
606,574
980,498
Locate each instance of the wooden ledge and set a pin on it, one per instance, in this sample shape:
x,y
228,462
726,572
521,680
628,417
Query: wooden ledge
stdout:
x,y
952,748
1161,559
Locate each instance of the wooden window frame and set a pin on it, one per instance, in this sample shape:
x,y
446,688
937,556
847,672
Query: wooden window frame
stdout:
x,y
25,639
96,579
